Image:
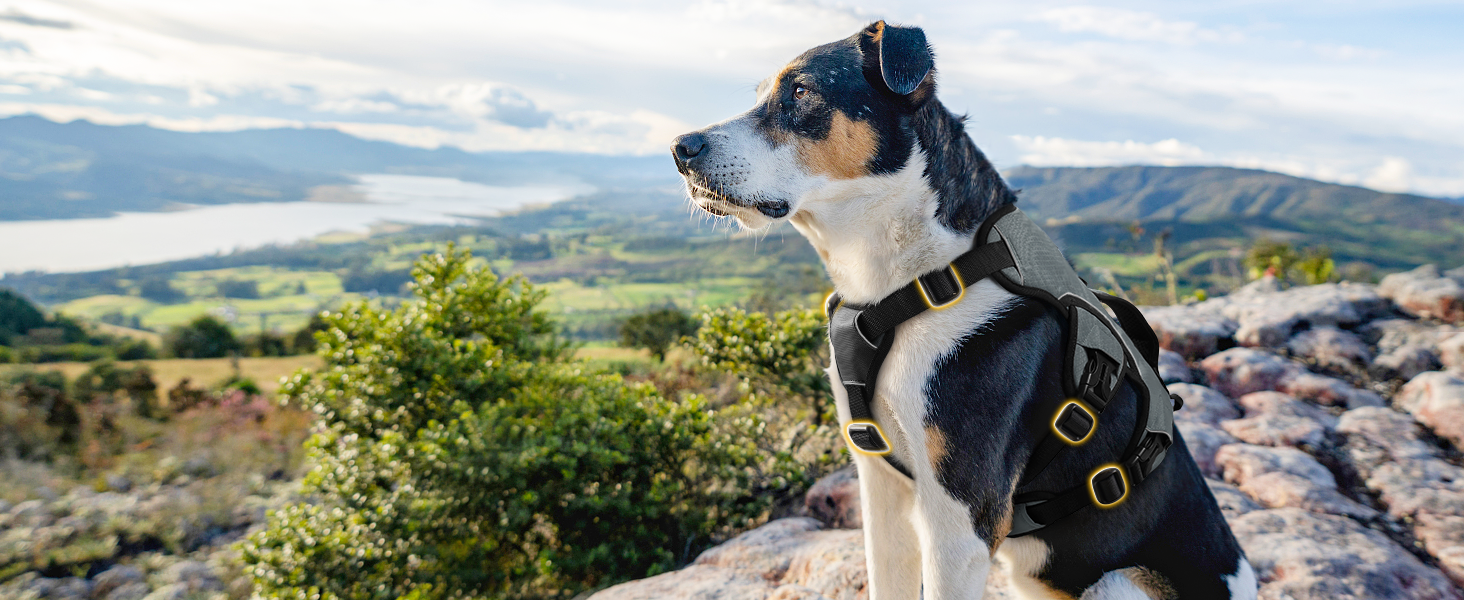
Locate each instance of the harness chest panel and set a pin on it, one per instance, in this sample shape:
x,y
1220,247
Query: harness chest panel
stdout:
x,y
1100,356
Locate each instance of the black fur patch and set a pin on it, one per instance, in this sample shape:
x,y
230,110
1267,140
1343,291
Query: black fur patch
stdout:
x,y
1170,523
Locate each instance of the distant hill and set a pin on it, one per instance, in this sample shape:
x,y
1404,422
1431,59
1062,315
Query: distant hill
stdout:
x,y
1087,205
53,170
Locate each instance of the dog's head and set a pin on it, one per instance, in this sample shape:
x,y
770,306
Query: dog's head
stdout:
x,y
836,116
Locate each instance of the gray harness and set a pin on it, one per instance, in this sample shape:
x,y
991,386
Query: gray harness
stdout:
x,y
1101,355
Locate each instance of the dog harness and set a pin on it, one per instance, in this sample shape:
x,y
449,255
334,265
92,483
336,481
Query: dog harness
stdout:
x,y
1101,355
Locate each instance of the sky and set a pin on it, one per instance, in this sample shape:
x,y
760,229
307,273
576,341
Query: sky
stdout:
x,y
1365,93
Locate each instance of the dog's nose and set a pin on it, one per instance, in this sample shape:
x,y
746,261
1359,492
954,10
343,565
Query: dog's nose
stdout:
x,y
689,146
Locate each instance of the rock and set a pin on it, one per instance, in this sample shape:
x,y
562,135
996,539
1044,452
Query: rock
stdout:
x,y
1279,490
1327,391
1423,292
1240,371
68,588
1242,462
136,590
1267,284
1190,333
785,559
1202,405
1436,399
1377,435
1269,319
834,499
1172,368
1405,363
1451,353
1276,419
1391,334
119,483
1410,479
1203,441
193,576
115,578
1331,348
1232,501
1309,556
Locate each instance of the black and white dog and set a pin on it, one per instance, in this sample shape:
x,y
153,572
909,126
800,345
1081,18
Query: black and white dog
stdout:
x,y
849,143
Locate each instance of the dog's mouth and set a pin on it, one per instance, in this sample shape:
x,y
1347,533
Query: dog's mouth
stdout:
x,y
712,199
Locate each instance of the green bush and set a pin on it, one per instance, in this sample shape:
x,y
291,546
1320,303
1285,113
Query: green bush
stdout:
x,y
204,337
656,330
460,453
782,355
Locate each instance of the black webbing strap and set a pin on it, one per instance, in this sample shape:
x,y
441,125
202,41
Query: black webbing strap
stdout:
x,y
861,335
935,289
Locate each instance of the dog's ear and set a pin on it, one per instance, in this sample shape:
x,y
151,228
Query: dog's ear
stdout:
x,y
899,56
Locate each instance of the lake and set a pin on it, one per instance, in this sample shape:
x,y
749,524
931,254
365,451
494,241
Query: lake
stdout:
x,y
66,245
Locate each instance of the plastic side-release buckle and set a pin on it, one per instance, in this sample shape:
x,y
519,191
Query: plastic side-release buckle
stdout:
x,y
1151,451
940,289
1108,485
1074,422
866,438
1094,386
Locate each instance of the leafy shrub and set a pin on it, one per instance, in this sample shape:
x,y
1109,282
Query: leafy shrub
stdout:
x,y
62,353
17,316
782,354
461,453
158,289
780,359
656,330
239,288
204,337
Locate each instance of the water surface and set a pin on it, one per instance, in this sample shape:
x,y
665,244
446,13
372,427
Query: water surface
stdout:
x,y
142,238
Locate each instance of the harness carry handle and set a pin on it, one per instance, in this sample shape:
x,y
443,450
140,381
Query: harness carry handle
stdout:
x,y
1135,325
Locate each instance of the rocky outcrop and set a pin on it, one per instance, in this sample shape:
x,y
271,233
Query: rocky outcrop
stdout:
x,y
787,559
1310,556
1436,399
1240,371
834,499
1333,489
1426,293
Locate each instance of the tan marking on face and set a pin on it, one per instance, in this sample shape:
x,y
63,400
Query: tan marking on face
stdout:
x,y
1155,585
935,446
845,153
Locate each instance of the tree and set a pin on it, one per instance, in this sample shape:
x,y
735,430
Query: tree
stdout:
x,y
461,452
656,330
17,316
239,288
204,337
158,289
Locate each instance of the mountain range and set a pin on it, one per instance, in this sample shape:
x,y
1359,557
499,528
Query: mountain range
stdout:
x,y
53,170
80,169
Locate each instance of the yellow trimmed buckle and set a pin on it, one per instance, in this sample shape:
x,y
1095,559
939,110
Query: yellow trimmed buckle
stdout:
x,y
866,433
1108,486
925,294
1078,410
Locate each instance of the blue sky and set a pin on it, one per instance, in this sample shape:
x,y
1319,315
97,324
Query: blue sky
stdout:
x,y
1367,93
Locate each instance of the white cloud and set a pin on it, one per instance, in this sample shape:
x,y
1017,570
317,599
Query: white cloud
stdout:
x,y
1045,151
1132,25
1394,175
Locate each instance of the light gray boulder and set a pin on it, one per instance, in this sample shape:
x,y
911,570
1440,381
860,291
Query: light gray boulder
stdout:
x,y
1426,293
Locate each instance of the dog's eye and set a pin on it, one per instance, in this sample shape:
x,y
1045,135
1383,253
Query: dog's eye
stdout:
x,y
799,92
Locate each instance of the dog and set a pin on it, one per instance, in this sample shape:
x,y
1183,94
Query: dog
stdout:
x,y
849,144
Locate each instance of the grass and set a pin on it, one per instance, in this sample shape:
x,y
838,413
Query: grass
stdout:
x,y
1129,265
265,371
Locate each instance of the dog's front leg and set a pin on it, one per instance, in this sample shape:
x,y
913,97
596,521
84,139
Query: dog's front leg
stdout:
x,y
891,546
956,561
